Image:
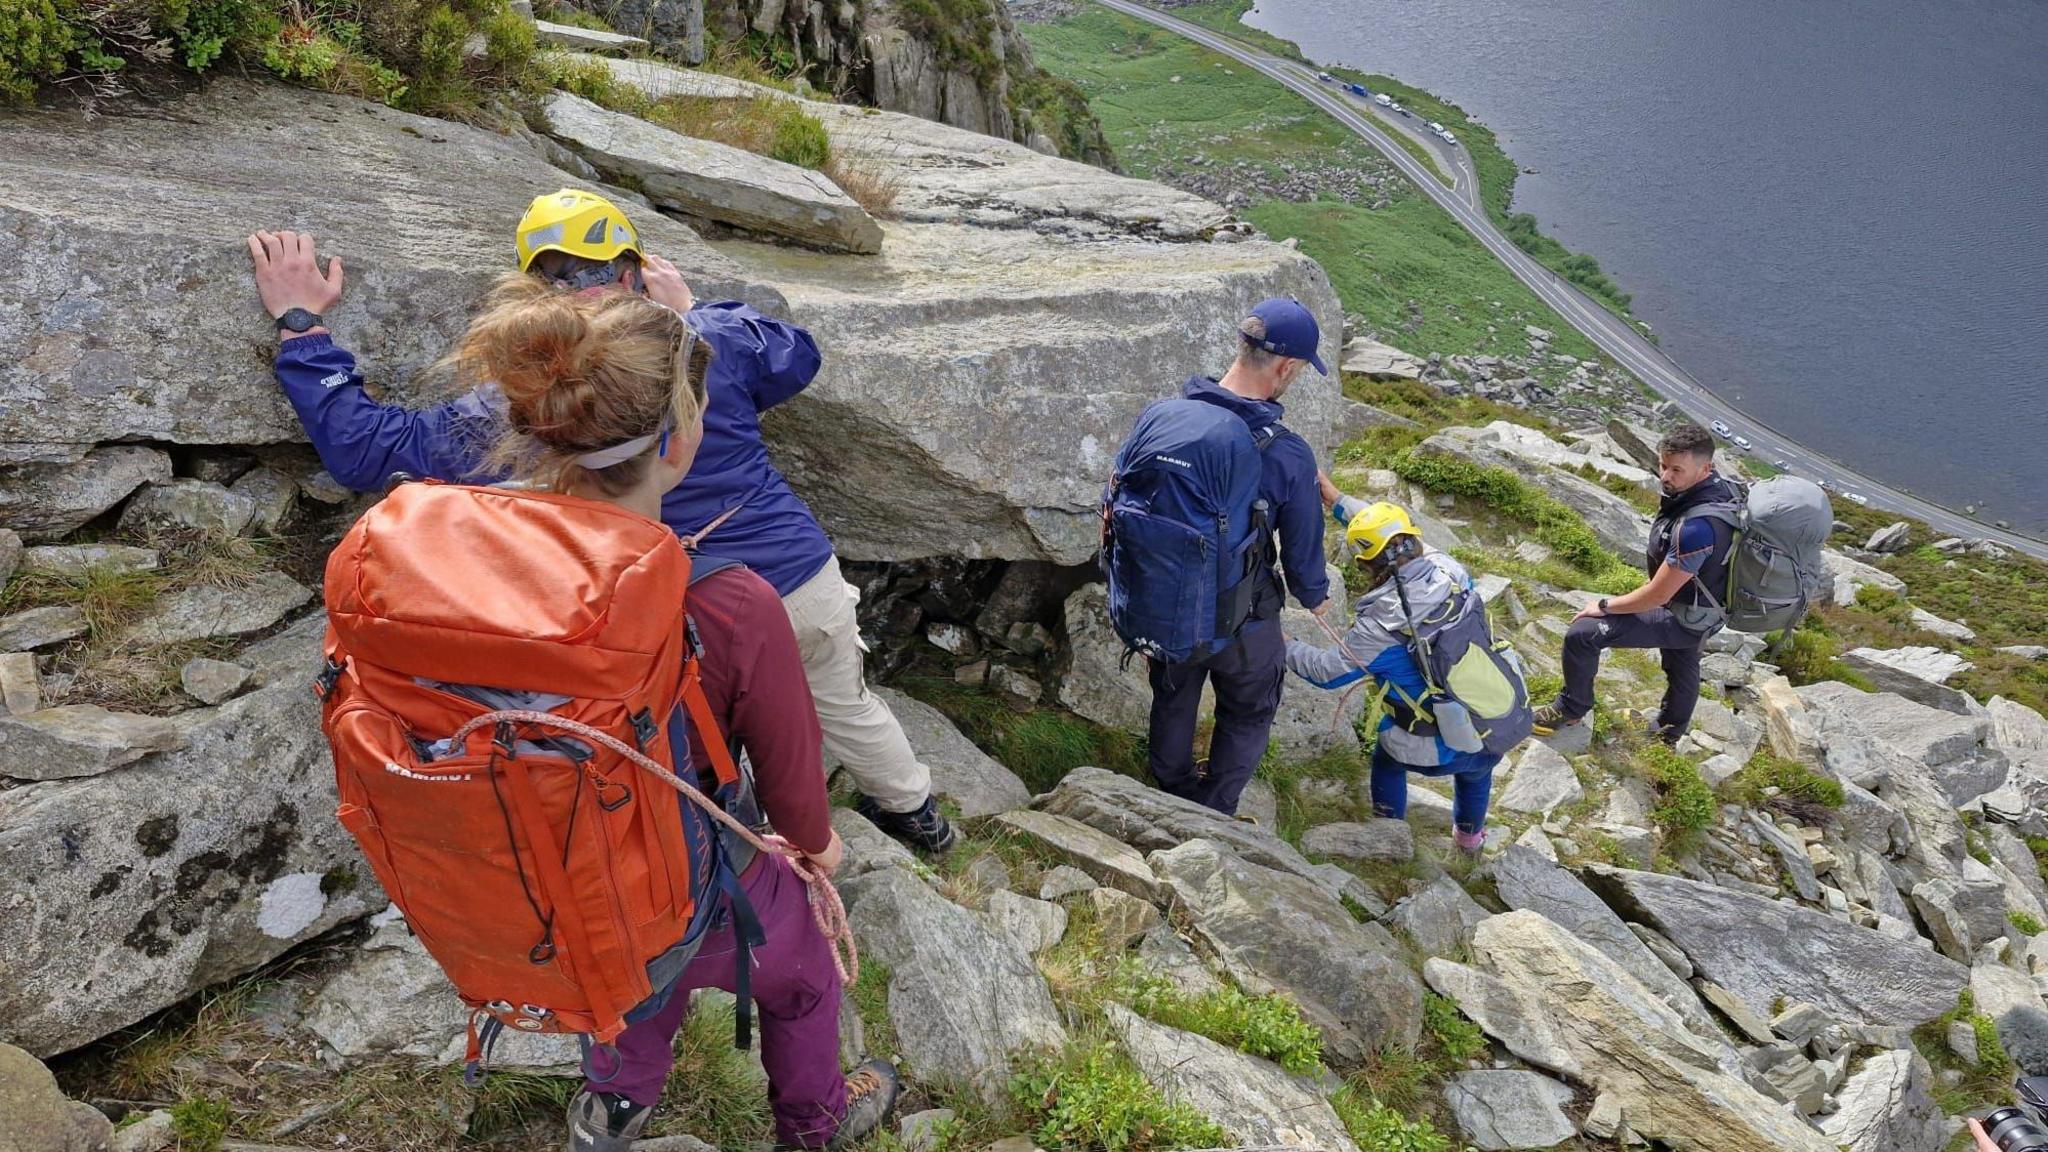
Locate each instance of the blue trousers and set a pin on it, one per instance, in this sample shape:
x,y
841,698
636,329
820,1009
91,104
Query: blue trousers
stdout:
x,y
1471,786
1247,678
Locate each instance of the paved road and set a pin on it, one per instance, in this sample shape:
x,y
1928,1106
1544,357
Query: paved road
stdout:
x,y
1614,336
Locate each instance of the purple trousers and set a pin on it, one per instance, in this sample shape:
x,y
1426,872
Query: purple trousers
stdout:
x,y
796,1004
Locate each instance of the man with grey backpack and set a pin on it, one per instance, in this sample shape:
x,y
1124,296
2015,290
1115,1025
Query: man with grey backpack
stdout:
x,y
1719,556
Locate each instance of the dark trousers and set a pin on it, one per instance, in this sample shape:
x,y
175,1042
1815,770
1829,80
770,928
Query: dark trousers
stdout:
x,y
1247,677
1656,628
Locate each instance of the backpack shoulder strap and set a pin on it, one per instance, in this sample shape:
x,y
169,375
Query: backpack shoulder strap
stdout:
x,y
1264,437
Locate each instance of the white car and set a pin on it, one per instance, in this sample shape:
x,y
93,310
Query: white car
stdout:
x,y
1383,100
1325,77
1722,430
1448,138
1858,497
1740,442
1436,128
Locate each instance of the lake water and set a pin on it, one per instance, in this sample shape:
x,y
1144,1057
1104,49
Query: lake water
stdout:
x,y
1833,213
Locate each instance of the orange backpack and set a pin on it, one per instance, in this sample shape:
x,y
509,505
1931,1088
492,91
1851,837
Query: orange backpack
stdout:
x,y
551,878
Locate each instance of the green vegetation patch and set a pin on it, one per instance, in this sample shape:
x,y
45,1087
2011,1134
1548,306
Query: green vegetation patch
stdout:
x,y
1269,1026
1772,782
1092,1098
1041,745
1684,802
1510,495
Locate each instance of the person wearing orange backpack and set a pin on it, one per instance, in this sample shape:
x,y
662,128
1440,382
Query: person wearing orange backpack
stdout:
x,y
733,502
604,402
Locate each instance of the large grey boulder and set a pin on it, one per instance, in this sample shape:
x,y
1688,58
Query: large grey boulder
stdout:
x,y
1378,841
1522,1025
1542,780
34,628
1276,932
1257,1102
1147,819
1852,576
961,772
80,740
1104,858
962,999
1525,879
1888,1106
47,500
1666,1080
177,871
2016,727
1511,1108
1440,918
1869,735
78,559
712,180
81,359
183,503
1762,950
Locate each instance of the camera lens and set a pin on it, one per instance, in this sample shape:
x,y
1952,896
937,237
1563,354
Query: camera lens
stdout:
x,y
2014,1131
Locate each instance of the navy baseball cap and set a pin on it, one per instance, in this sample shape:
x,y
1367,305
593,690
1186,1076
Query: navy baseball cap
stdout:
x,y
1290,330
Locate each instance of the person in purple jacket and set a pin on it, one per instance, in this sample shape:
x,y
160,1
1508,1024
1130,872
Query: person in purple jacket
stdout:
x,y
732,504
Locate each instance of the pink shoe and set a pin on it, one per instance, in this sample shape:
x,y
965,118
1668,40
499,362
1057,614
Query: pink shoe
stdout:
x,y
1469,842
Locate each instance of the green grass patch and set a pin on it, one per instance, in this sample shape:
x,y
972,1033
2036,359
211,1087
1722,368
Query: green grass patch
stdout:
x,y
870,995
1269,1026
200,1123
2027,923
1041,745
1511,496
1375,1127
1092,1098
1974,1087
1460,1039
1770,781
1684,802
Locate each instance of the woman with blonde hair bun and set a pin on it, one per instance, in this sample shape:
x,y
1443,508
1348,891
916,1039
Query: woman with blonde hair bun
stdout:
x,y
604,398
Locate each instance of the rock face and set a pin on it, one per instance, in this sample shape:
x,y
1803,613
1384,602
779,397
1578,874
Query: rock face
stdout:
x,y
1365,357
1257,1103
1920,674
712,180
961,998
80,740
150,882
961,772
1629,1044
44,501
1761,950
1870,736
1272,931
180,194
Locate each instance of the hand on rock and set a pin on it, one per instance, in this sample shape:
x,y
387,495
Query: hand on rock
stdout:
x,y
665,285
288,276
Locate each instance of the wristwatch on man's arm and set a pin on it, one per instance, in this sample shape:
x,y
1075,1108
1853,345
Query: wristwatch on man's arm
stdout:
x,y
298,321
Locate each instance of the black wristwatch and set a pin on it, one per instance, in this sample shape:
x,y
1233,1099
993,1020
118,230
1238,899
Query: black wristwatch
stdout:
x,y
1603,605
298,320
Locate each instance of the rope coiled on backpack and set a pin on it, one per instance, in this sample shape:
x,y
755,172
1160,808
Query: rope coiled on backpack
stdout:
x,y
827,910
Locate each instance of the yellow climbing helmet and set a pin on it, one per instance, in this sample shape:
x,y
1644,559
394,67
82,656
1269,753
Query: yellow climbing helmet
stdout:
x,y
578,223
1372,530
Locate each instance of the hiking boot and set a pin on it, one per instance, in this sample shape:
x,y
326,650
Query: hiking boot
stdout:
x,y
924,828
602,1122
1550,719
1470,843
870,1097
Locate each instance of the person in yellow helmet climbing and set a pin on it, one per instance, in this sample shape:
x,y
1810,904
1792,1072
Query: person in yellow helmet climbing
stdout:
x,y
734,503
1453,699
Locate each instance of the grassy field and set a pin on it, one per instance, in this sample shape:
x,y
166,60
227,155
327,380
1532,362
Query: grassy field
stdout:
x,y
1408,268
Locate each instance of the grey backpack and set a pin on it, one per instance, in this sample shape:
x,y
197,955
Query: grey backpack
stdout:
x,y
1774,557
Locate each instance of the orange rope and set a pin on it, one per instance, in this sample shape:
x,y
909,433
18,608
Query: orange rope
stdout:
x,y
1344,701
826,908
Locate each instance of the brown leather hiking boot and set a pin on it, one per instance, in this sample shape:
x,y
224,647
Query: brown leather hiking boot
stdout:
x,y
870,1096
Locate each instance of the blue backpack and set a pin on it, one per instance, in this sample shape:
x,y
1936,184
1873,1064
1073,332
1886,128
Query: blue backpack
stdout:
x,y
1184,532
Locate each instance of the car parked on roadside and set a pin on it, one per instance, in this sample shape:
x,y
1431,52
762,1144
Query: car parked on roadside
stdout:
x,y
1741,442
1858,497
1722,430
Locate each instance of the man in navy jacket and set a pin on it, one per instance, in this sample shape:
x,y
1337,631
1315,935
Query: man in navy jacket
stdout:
x,y
1276,343
734,503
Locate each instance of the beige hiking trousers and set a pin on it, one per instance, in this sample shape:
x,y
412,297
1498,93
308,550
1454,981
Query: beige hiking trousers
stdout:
x,y
860,731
